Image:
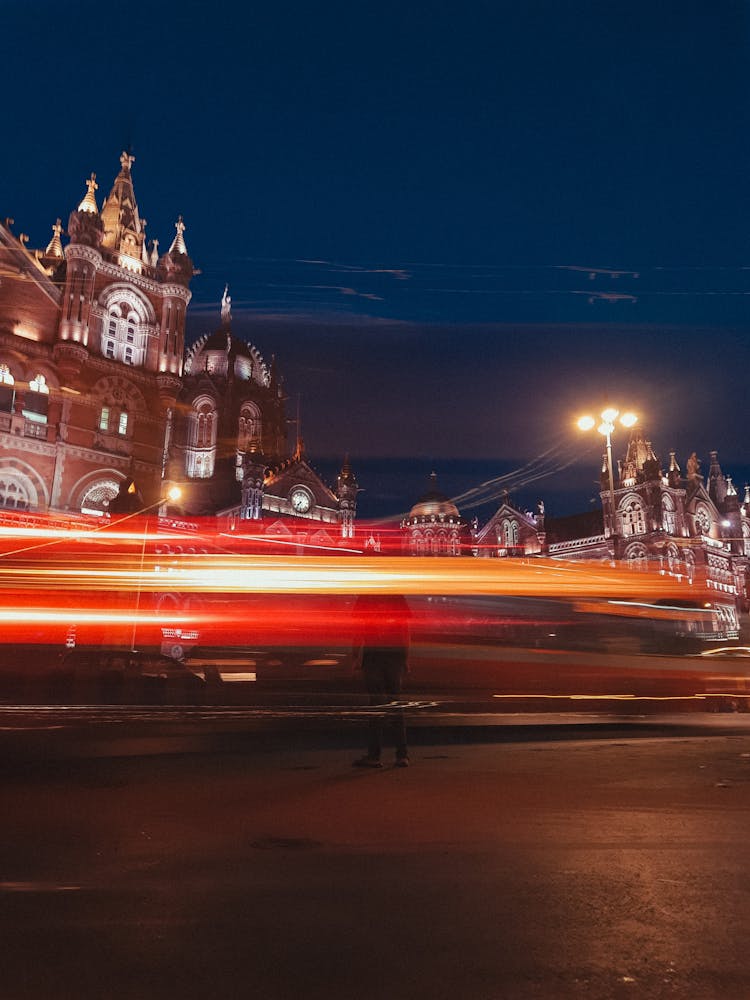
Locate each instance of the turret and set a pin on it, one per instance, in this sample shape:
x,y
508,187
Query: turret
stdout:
x,y
346,490
175,265
717,486
83,256
253,479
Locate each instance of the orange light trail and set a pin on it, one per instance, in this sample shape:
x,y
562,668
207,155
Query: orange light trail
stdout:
x,y
237,574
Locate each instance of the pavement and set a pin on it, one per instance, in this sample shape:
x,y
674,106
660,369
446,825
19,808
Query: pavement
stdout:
x,y
165,856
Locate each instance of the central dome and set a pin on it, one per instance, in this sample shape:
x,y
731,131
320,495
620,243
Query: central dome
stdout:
x,y
434,503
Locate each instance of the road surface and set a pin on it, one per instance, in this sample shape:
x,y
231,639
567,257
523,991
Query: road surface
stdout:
x,y
553,862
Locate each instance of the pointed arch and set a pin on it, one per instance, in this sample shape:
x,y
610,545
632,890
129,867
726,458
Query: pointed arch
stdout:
x,y
202,428
631,516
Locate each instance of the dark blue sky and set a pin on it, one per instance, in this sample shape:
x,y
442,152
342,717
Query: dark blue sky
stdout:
x,y
418,206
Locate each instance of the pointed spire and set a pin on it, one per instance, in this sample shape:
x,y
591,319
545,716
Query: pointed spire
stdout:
x,y
89,199
226,307
747,493
346,477
54,247
673,466
731,491
178,243
123,229
154,253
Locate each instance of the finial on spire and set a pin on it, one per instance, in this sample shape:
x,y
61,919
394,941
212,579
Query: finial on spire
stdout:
x,y
54,247
89,199
226,306
178,243
126,160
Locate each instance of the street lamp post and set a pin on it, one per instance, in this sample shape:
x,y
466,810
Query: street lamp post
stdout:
x,y
605,428
173,494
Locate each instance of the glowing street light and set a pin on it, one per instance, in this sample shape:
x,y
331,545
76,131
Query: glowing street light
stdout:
x,y
605,428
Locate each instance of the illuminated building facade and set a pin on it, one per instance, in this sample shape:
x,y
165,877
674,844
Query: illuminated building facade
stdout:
x,y
230,452
659,517
97,393
91,352
434,526
649,517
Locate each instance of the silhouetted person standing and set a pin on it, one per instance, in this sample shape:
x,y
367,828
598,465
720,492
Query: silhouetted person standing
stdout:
x,y
382,623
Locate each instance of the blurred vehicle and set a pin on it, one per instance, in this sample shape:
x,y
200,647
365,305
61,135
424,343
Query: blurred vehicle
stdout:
x,y
153,612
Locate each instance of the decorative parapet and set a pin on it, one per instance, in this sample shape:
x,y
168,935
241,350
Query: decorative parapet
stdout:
x,y
577,543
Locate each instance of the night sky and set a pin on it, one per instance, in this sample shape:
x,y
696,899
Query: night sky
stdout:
x,y
455,225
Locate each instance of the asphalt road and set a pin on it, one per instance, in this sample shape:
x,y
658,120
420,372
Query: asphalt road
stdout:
x,y
596,859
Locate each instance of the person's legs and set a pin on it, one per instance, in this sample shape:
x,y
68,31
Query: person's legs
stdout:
x,y
376,689
394,674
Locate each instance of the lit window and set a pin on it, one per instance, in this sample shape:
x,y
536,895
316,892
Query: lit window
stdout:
x,y
633,519
122,425
7,392
668,515
104,419
124,334
36,402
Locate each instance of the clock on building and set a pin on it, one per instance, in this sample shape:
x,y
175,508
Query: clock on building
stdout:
x,y
300,500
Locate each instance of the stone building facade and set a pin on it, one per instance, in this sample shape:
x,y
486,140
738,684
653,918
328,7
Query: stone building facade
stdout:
x,y
102,408
91,351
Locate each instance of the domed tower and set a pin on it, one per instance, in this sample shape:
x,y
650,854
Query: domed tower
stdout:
x,y
434,526
231,419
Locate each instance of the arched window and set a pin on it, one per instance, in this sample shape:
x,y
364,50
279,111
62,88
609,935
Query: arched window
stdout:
x,y
124,336
632,518
200,453
249,428
746,538
13,496
673,560
36,401
668,514
7,390
637,557
97,498
204,433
